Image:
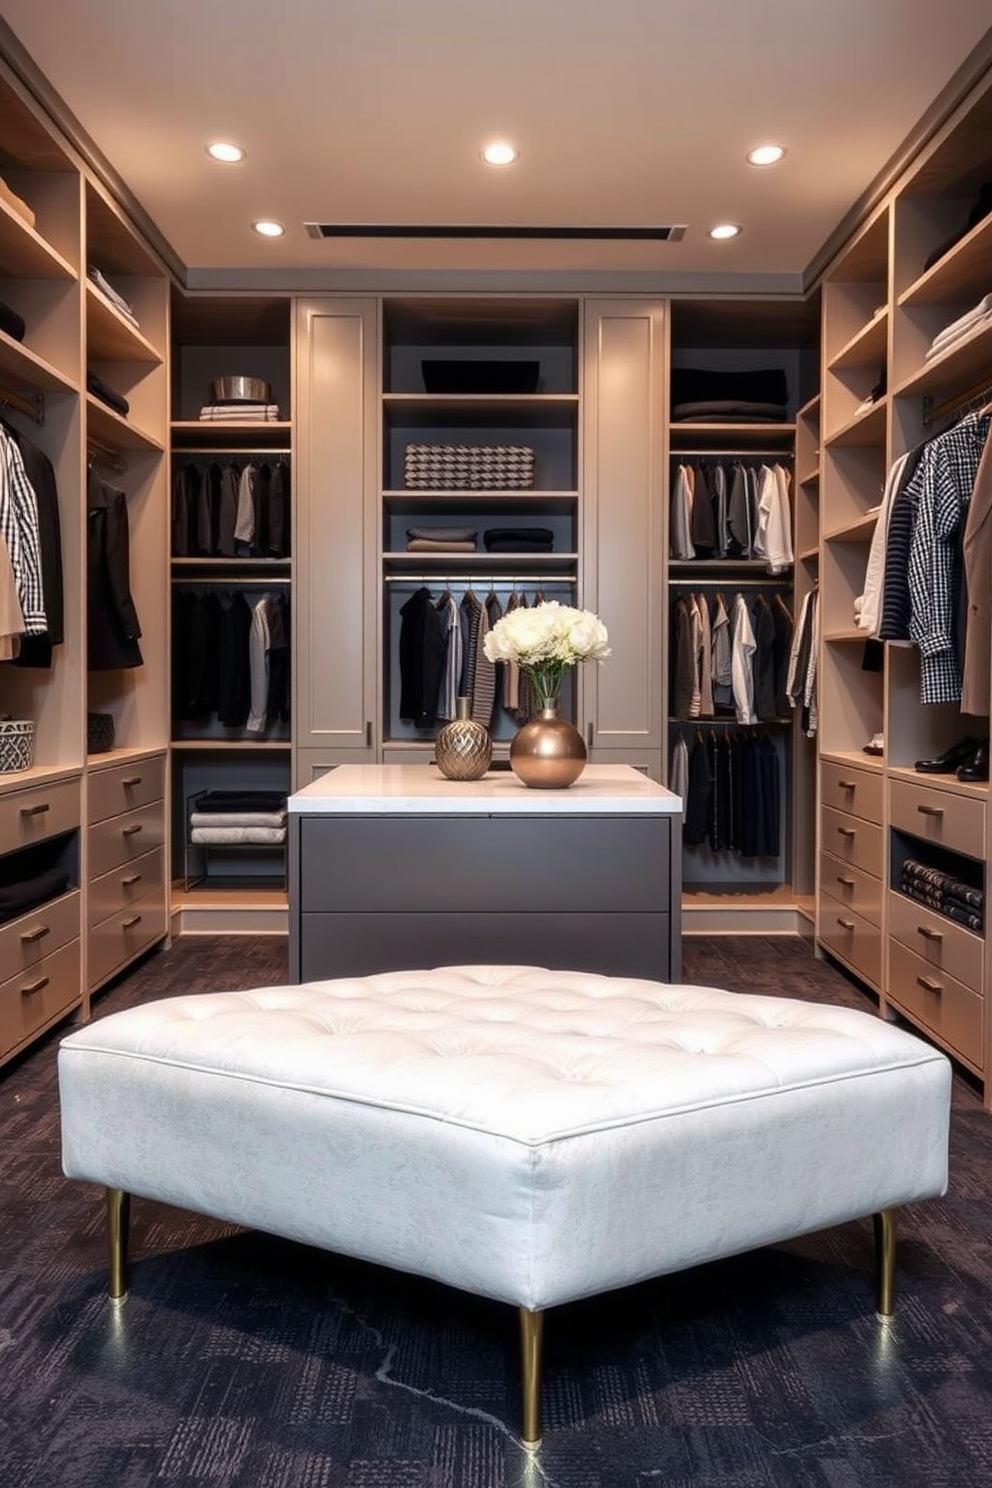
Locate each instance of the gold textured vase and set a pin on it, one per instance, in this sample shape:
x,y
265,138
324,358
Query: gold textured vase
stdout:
x,y
463,748
548,752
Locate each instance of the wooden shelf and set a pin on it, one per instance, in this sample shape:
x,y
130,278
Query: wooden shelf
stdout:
x,y
24,253
726,438
963,271
204,434
30,371
810,409
863,430
860,530
11,780
115,432
810,555
844,636
966,362
228,895
230,746
502,563
866,348
473,410
976,790
853,757
110,336
810,478
418,500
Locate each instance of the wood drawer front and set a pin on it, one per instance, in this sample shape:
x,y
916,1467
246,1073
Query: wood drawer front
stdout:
x,y
953,821
937,940
34,997
858,791
125,838
122,887
938,1003
854,888
43,811
852,840
123,787
855,939
26,941
123,936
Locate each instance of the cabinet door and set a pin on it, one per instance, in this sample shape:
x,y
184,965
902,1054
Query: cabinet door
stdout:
x,y
622,518
334,566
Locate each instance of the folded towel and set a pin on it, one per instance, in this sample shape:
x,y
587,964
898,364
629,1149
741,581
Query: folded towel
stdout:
x,y
237,819
218,836
425,545
443,534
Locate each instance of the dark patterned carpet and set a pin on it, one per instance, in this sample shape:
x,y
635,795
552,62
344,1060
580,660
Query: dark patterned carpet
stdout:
x,y
241,1361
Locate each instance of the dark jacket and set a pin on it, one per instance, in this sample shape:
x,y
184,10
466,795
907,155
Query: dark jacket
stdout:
x,y
112,621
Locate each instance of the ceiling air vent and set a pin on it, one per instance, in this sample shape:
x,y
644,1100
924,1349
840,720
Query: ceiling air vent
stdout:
x,y
672,233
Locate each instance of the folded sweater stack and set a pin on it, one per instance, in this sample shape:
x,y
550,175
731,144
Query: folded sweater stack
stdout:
x,y
441,539
234,817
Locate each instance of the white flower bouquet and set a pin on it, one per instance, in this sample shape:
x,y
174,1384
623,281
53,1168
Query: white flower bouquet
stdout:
x,y
545,641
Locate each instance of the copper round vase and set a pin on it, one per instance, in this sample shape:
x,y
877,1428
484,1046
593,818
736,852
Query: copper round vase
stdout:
x,y
463,748
548,753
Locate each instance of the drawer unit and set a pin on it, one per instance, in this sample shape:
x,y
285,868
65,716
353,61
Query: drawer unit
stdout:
x,y
852,839
123,936
849,935
937,940
28,816
28,940
122,839
38,995
944,817
859,792
855,889
121,788
938,1003
122,887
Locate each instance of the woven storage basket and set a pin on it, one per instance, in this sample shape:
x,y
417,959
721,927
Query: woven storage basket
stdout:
x,y
100,732
469,467
16,745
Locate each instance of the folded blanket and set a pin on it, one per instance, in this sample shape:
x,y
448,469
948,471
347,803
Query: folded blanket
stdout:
x,y
237,819
535,537
217,836
443,534
107,394
725,411
429,545
243,800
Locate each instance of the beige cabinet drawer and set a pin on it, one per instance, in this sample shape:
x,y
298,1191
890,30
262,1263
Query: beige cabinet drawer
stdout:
x,y
856,940
123,936
38,995
122,887
123,787
858,791
854,888
852,840
951,820
41,811
938,1003
123,839
26,941
937,940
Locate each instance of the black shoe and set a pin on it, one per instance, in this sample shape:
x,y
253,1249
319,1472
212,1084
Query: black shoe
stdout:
x,y
977,768
945,764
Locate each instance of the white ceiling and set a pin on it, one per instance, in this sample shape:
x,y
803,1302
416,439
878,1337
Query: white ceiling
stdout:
x,y
626,113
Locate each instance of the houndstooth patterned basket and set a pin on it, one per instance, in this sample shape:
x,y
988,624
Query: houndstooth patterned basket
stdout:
x,y
469,467
16,745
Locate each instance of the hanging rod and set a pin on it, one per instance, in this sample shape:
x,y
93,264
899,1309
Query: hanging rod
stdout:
x,y
32,408
712,454
973,397
106,454
240,582
729,582
480,577
208,454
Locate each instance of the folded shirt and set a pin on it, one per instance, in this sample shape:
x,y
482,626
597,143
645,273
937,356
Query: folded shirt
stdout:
x,y
218,836
109,292
962,326
443,534
241,800
107,394
11,322
518,539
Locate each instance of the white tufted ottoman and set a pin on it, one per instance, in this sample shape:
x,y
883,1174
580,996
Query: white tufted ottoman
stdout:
x,y
534,1136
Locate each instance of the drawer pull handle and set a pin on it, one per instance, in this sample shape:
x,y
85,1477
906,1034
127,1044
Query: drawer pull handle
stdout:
x,y
847,882
846,924
929,985
930,810
847,831
132,878
929,934
131,830
38,810
848,784
37,986
130,923
131,780
38,933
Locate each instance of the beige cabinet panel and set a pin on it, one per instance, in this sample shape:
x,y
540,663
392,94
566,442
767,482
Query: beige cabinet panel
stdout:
x,y
122,787
938,1003
38,995
852,840
937,940
856,940
854,888
40,811
336,495
860,792
623,402
944,817
124,838
26,941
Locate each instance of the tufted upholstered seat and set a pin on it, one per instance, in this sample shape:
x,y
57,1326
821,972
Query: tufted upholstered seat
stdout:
x,y
534,1136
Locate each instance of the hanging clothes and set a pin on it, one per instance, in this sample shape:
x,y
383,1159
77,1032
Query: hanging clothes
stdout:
x,y
977,557
112,626
19,527
742,662
36,650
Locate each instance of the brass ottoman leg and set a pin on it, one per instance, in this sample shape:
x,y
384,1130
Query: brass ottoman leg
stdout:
x,y
118,1217
886,1230
531,1338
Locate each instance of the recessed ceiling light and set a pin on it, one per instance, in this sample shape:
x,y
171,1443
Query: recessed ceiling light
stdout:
x,y
268,229
499,153
765,154
725,230
224,151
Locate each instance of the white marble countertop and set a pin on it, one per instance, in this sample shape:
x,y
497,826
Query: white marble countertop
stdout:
x,y
394,789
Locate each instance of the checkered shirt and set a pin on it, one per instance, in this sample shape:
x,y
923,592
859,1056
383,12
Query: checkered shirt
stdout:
x,y
19,530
